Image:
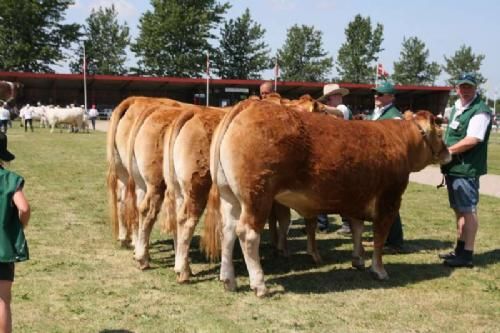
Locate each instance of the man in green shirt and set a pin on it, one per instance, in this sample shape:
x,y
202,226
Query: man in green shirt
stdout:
x,y
467,137
385,109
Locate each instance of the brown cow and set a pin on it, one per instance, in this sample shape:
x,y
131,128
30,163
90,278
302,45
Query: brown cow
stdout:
x,y
187,176
311,163
186,172
122,120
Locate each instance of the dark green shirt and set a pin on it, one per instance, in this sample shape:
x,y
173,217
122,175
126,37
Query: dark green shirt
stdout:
x,y
389,113
13,245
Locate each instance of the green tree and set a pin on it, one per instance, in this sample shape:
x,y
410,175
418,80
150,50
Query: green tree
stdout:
x,y
174,37
413,67
105,45
356,55
302,57
461,62
242,53
32,37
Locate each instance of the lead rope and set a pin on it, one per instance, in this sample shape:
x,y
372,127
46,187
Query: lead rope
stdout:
x,y
443,183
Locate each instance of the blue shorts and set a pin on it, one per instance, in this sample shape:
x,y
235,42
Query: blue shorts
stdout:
x,y
463,193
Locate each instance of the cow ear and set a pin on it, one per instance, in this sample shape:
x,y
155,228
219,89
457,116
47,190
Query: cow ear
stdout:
x,y
315,107
408,115
438,121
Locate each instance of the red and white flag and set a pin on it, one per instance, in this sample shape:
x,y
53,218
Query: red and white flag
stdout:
x,y
276,69
381,72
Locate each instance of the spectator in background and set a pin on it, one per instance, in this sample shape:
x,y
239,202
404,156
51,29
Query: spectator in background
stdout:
x,y
93,114
265,89
4,117
14,217
332,96
385,109
466,136
28,118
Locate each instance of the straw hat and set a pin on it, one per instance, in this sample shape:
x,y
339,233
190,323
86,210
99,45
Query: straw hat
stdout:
x,y
333,89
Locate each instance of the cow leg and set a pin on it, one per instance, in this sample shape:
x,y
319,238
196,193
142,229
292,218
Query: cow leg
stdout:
x,y
273,231
380,232
230,211
250,241
187,219
280,214
358,252
312,247
148,210
284,217
123,231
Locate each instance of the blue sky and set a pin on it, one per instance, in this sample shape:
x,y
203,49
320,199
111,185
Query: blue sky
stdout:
x,y
443,25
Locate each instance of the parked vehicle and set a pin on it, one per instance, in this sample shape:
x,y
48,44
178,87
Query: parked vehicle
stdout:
x,y
105,114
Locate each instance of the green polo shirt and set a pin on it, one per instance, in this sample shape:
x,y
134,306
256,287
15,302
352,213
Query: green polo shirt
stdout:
x,y
13,245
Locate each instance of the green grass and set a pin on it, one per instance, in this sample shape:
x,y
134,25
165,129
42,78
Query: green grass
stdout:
x,y
78,280
494,153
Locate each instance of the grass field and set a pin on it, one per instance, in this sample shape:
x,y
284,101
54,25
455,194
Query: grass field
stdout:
x,y
78,280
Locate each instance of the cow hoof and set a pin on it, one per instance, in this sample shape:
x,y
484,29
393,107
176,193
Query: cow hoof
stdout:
x,y
183,277
260,291
125,244
229,285
381,276
284,253
144,264
358,263
317,258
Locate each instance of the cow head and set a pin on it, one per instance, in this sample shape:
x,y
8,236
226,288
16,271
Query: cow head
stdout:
x,y
432,134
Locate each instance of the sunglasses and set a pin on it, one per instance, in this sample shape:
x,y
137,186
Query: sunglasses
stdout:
x,y
379,94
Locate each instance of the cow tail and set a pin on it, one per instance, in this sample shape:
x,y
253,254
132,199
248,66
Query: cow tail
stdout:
x,y
112,178
169,203
212,232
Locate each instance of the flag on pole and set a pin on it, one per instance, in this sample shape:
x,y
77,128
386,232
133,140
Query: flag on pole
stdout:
x,y
381,72
276,69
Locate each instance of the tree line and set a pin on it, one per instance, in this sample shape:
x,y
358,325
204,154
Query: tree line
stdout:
x,y
176,35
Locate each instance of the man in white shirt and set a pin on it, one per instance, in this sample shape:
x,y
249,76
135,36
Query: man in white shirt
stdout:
x,y
93,113
332,96
4,118
28,118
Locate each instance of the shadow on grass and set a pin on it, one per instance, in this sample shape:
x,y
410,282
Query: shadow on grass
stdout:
x,y
298,273
401,274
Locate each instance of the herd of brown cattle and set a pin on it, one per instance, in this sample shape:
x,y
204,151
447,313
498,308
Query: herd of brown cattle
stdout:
x,y
248,164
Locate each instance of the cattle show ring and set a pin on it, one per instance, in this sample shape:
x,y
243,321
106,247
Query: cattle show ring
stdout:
x,y
178,217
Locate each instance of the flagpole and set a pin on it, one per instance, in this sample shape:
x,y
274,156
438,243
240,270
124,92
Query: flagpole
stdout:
x,y
276,75
208,77
84,77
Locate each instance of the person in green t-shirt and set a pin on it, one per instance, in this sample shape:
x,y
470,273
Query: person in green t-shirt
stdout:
x,y
14,217
467,138
385,94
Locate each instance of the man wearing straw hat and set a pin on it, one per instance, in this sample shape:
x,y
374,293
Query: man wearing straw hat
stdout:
x,y
332,96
